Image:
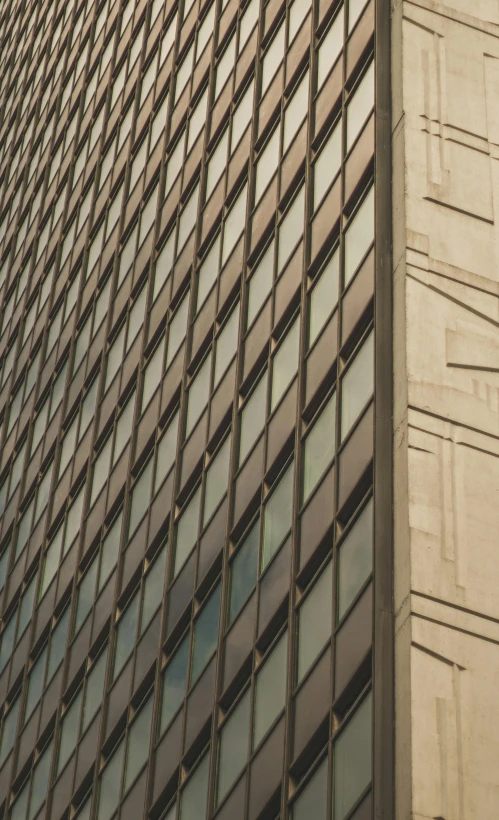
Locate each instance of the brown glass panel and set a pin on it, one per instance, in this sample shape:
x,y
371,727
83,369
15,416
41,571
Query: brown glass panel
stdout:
x,y
358,297
133,805
317,517
87,750
356,456
312,704
63,789
212,542
274,586
248,483
234,806
118,697
180,595
239,641
200,704
282,425
266,771
353,640
167,756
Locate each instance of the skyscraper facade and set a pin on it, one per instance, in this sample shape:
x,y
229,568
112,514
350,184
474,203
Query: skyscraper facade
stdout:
x,y
196,410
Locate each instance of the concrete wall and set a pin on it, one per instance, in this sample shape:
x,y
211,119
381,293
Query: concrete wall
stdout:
x,y
445,124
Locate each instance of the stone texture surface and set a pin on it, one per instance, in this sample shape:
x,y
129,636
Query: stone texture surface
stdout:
x,y
445,67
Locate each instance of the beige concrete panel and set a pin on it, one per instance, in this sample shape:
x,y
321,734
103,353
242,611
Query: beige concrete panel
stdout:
x,y
445,157
455,714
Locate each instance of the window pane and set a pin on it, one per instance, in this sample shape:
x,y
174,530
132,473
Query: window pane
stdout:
x,y
138,743
58,644
324,297
233,750
205,635
248,21
86,594
355,559
253,418
330,48
178,329
187,531
195,795
188,219
197,121
285,363
260,283
267,164
319,447
35,684
164,264
167,449
125,635
109,553
297,14
243,572
359,236
225,65
315,621
198,394
270,690
352,760
141,495
39,782
69,732
8,733
174,683
174,163
273,58
217,478
152,375
153,589
216,165
94,690
226,344
357,385
354,9
242,115
123,428
208,272
291,230
277,516
298,106
101,469
234,224
327,164
110,785
313,800
360,105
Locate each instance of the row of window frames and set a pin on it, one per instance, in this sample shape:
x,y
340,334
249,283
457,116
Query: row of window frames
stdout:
x,y
48,660
198,106
149,209
50,84
357,387
73,435
358,236
244,728
96,128
368,208
356,380
251,556
351,751
56,161
203,640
